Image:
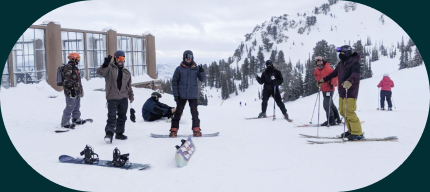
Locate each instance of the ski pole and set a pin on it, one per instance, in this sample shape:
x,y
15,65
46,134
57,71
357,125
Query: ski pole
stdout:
x,y
329,109
316,99
377,103
393,102
319,103
274,101
344,102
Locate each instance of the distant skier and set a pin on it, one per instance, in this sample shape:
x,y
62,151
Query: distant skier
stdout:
x,y
184,87
271,78
73,92
240,103
118,91
153,109
323,69
386,84
348,71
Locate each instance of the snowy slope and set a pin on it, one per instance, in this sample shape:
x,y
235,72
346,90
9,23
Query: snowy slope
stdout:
x,y
341,29
248,155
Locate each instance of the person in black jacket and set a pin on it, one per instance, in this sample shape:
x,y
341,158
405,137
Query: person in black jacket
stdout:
x,y
153,109
271,78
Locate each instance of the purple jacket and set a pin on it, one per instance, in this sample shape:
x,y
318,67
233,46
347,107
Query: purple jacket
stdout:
x,y
347,71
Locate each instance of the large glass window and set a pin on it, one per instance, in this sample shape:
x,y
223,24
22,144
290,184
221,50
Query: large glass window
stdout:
x,y
96,50
29,57
139,56
5,78
124,44
73,42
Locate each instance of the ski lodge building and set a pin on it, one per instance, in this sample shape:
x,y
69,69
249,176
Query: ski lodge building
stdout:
x,y
41,49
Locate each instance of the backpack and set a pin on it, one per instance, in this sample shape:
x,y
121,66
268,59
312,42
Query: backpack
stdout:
x,y
60,75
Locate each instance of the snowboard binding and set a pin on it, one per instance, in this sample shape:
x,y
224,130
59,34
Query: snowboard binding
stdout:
x,y
118,159
183,141
89,157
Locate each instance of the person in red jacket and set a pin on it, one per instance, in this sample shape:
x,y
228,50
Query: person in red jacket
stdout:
x,y
323,69
386,84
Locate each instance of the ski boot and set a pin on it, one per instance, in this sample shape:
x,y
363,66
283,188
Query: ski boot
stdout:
x,y
196,132
354,137
89,157
79,121
325,123
390,109
262,115
108,137
382,109
346,134
120,136
286,117
338,121
173,132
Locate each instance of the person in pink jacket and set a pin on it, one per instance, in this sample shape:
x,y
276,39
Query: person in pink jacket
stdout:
x,y
386,84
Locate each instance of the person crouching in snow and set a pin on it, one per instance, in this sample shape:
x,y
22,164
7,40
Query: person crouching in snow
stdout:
x,y
153,109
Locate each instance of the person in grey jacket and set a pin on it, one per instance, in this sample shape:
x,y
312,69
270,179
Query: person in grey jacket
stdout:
x,y
118,91
185,88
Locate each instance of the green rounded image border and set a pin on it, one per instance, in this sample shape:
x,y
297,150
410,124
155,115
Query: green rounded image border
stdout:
x,y
19,15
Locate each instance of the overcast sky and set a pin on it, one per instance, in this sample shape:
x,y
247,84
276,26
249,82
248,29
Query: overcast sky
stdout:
x,y
212,29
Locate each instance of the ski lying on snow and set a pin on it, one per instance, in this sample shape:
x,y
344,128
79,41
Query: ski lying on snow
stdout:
x,y
103,163
316,125
391,138
257,117
167,136
62,130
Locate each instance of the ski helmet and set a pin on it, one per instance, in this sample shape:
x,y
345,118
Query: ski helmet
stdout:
x,y
187,55
156,94
119,53
73,56
269,62
345,49
386,75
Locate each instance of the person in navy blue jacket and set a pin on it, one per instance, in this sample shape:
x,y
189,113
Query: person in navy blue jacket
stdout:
x,y
153,109
185,88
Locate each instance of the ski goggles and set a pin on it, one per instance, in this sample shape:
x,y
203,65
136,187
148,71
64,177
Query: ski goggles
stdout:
x,y
120,59
188,56
318,58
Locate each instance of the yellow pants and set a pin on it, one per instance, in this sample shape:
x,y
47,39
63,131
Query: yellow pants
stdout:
x,y
351,119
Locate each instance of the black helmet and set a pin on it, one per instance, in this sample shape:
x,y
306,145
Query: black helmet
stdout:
x,y
346,49
156,94
269,62
187,54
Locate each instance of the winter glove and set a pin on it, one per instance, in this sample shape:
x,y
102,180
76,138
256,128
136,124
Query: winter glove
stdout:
x,y
320,82
73,94
107,61
201,68
346,84
132,116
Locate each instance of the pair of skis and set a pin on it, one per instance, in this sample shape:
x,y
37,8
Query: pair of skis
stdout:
x,y
316,125
250,118
339,139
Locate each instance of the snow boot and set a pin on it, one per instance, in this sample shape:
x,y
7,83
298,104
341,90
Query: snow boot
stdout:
x,y
382,109
262,115
79,121
390,109
68,126
108,137
354,137
196,132
173,132
120,136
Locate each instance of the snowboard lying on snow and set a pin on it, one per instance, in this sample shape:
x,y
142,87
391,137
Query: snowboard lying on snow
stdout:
x,y
103,163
